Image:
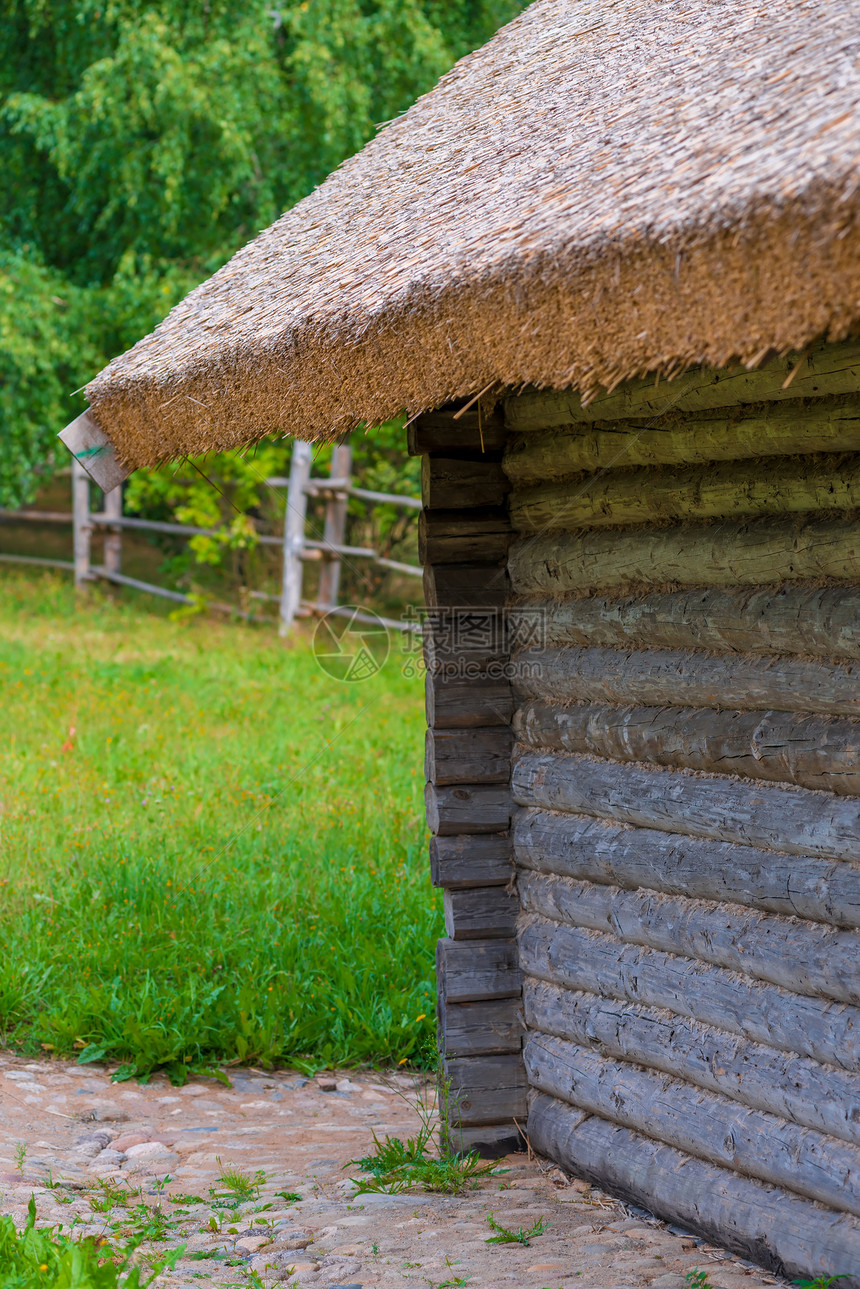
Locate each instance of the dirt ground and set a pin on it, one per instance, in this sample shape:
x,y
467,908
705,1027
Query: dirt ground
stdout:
x,y
68,1136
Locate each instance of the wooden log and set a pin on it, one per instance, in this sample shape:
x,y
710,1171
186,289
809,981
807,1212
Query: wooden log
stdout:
x,y
656,677
463,861
476,970
467,809
704,1124
602,964
480,1029
485,1089
454,483
726,490
785,747
491,1141
793,820
725,554
481,913
827,370
593,850
480,755
465,586
473,431
780,429
793,1087
765,1224
467,702
822,621
464,537
803,957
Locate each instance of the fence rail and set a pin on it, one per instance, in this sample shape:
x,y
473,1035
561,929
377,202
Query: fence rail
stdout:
x,y
297,547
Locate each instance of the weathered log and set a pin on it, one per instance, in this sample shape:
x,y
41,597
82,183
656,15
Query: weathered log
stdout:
x,y
472,431
803,957
465,641
480,913
726,490
464,537
793,820
760,1077
780,429
465,586
479,1029
467,809
468,756
766,1224
463,861
473,970
786,747
823,621
697,555
594,850
467,703
655,677
577,959
704,1124
451,483
826,370
491,1141
486,1089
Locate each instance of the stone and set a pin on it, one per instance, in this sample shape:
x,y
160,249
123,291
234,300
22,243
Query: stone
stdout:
x,y
347,1085
147,1148
126,1139
281,1265
326,1085
110,1156
673,1280
287,1240
111,1114
251,1243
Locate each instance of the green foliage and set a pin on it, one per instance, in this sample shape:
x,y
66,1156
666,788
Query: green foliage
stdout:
x,y
821,1282
141,144
505,1236
697,1279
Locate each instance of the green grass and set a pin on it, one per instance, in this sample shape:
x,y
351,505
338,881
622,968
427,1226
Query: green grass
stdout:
x,y
225,860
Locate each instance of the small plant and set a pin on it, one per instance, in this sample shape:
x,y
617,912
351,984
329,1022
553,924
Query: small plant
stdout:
x,y
289,1197
20,1157
697,1279
821,1282
237,1184
504,1236
186,1199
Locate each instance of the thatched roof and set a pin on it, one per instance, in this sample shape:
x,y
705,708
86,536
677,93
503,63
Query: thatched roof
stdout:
x,y
606,188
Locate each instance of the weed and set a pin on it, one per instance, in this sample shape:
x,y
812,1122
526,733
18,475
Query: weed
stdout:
x,y
697,1279
20,1157
186,1199
504,1236
238,1184
289,1197
821,1282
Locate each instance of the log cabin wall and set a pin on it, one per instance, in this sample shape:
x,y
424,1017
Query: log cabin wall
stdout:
x,y
686,791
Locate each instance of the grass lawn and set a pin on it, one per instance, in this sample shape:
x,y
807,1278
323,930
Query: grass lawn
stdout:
x,y
210,851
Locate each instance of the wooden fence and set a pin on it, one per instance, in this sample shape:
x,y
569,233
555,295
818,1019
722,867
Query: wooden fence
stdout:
x,y
298,549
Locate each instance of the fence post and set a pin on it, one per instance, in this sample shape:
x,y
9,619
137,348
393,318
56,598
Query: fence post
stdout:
x,y
335,529
294,534
113,536
82,532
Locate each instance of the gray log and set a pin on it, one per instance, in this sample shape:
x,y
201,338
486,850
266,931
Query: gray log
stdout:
x,y
481,913
803,957
467,809
703,1124
760,1077
474,970
465,586
793,820
467,703
696,555
473,431
486,1089
449,483
468,756
823,621
491,1141
479,1029
602,964
786,747
591,849
463,537
827,370
463,861
765,1224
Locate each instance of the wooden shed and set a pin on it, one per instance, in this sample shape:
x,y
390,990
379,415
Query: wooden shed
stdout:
x,y
610,267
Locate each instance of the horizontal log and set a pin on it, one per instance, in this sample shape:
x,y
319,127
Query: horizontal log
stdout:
x,y
463,861
778,429
602,964
481,913
803,957
793,820
468,756
491,1141
451,483
697,555
725,490
823,621
465,586
472,431
479,1029
468,702
464,537
474,970
485,1089
590,849
784,1232
826,370
760,1077
655,677
467,809
703,1124
785,747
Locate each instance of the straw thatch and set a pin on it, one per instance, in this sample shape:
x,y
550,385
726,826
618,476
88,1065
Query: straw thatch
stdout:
x,y
605,188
